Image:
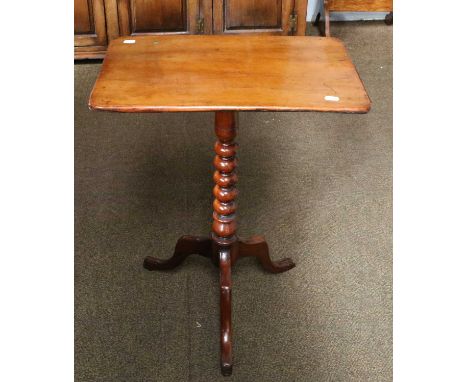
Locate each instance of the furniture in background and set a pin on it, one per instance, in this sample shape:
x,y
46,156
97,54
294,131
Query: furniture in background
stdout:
x,y
97,22
227,74
91,30
355,6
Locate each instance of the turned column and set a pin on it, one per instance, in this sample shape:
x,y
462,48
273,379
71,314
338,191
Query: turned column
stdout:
x,y
225,178
224,223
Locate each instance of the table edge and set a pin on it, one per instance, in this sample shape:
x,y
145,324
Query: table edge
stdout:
x,y
174,109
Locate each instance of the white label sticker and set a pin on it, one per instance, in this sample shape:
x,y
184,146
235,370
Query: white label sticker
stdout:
x,y
129,41
332,98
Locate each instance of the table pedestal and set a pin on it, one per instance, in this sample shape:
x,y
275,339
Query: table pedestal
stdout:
x,y
223,246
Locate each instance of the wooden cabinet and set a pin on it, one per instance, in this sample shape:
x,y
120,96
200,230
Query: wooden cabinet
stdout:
x,y
141,17
90,28
99,21
253,16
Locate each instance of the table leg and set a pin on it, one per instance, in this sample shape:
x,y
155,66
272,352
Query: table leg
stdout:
x,y
186,245
223,247
224,223
256,246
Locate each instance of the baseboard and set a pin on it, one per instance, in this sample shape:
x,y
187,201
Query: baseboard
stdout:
x,y
351,16
357,16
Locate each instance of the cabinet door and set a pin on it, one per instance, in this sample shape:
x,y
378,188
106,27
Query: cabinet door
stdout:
x,y
253,16
142,17
90,24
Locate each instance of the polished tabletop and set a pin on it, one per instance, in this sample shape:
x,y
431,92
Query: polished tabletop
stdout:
x,y
210,73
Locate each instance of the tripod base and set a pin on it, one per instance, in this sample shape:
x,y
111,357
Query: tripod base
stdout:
x,y
224,256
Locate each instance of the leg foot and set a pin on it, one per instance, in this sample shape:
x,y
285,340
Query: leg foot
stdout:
x,y
389,18
226,370
257,247
186,245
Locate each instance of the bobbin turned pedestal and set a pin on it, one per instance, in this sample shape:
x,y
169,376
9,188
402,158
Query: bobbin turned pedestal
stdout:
x,y
223,245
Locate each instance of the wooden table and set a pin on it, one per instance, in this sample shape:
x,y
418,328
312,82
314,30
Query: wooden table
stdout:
x,y
226,74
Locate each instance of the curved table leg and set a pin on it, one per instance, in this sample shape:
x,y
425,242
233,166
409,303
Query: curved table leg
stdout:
x,y
225,310
256,246
186,245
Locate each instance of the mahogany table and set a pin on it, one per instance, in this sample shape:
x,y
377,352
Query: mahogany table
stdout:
x,y
226,74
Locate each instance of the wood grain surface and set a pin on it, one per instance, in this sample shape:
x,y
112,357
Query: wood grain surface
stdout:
x,y
361,5
209,73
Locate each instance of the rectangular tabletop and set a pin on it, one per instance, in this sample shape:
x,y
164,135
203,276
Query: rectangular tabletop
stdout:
x,y
209,73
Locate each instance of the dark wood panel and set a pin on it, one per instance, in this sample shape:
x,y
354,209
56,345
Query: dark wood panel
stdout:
x,y
361,5
253,14
157,16
83,17
90,23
